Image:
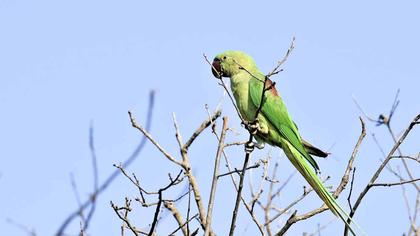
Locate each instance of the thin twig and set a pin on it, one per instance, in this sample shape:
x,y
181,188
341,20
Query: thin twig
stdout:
x,y
215,176
388,167
284,184
407,205
126,211
77,196
253,216
150,138
386,120
155,218
344,181
239,191
286,56
381,167
239,143
28,230
305,193
177,133
239,171
123,218
410,175
95,178
351,188
223,84
114,174
269,201
289,223
187,167
394,184
183,225
202,127
188,210
321,227
177,216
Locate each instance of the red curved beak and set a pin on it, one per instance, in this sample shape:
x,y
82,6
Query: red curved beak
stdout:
x,y
216,68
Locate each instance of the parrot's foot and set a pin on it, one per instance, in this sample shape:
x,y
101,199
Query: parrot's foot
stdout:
x,y
249,147
260,145
253,127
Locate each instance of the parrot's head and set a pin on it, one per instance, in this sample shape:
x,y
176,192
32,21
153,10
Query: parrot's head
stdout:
x,y
230,63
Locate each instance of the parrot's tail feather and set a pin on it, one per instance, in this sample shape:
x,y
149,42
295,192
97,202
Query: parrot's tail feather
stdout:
x,y
315,182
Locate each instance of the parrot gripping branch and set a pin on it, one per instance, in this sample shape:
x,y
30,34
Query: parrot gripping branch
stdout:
x,y
249,147
276,127
252,126
247,206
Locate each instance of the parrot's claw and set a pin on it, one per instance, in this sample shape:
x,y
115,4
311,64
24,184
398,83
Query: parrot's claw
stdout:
x,y
249,147
260,145
253,127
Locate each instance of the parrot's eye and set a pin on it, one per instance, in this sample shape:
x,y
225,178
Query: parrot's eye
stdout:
x,y
224,58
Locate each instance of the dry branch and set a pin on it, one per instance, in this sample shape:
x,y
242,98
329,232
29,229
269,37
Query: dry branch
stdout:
x,y
177,216
124,217
185,163
344,180
114,174
381,167
215,176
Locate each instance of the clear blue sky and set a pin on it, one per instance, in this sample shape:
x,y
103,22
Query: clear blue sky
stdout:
x,y
65,64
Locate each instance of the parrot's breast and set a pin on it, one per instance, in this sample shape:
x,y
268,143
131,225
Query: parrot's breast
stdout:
x,y
240,90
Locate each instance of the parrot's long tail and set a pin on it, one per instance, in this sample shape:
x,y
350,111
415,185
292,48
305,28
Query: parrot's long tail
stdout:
x,y
309,174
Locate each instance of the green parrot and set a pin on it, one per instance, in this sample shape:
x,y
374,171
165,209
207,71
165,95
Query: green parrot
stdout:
x,y
273,124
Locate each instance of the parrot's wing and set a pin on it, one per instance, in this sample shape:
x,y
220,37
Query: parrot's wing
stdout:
x,y
311,149
274,110
276,113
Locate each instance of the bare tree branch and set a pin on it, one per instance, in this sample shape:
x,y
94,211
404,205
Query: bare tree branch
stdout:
x,y
29,231
351,188
201,128
276,69
124,217
150,138
178,217
381,167
115,174
253,216
155,218
344,180
215,176
187,166
256,165
182,226
296,201
95,179
394,184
